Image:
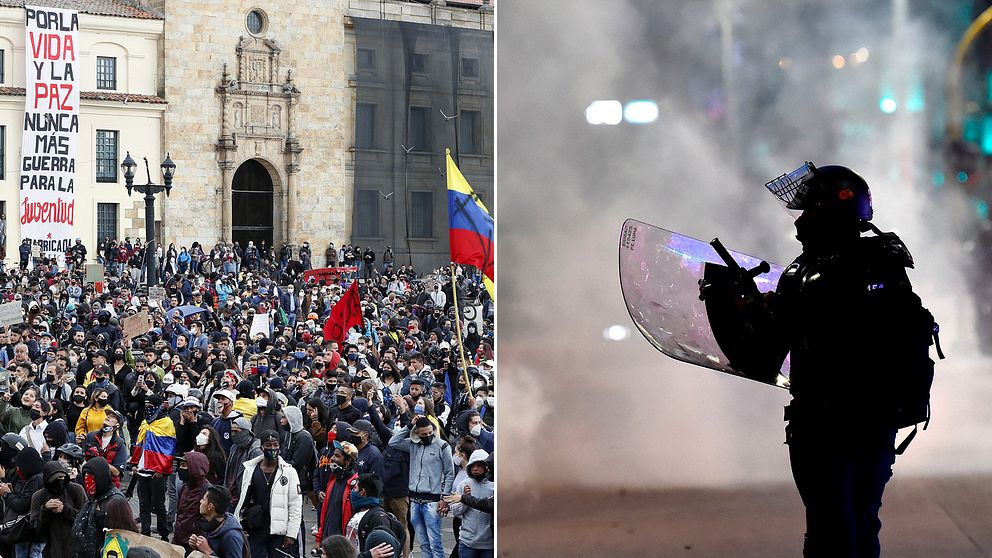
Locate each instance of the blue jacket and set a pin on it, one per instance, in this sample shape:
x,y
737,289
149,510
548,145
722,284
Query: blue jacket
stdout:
x,y
227,541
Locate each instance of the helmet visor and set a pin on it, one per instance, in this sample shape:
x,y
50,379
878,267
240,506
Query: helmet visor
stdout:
x,y
792,188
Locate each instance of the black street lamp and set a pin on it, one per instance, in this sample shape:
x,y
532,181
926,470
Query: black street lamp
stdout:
x,y
149,190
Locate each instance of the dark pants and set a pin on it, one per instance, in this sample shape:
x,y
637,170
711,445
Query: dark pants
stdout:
x,y
151,499
466,552
841,474
264,546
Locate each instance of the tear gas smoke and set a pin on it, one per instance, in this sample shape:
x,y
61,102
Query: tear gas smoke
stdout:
x,y
579,409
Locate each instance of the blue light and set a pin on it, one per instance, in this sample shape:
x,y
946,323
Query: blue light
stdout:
x,y
938,179
962,177
982,207
640,112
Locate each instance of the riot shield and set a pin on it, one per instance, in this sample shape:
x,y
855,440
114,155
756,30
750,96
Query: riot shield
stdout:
x,y
660,273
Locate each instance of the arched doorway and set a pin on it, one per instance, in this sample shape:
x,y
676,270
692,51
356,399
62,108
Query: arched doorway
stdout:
x,y
251,209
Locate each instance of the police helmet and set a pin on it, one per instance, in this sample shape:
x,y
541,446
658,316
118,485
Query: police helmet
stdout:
x,y
835,189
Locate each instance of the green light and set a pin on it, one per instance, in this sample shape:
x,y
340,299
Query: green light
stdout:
x,y
916,101
938,179
986,142
972,129
962,177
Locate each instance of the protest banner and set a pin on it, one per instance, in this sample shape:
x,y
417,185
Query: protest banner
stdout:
x,y
136,325
327,273
11,314
51,129
259,324
94,273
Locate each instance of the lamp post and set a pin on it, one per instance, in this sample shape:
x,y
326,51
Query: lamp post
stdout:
x,y
149,190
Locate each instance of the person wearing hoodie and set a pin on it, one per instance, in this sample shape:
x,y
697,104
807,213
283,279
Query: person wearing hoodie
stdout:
x,y
269,415
271,507
336,509
54,508
431,476
475,537
193,472
470,422
301,448
244,447
87,529
224,536
56,434
17,495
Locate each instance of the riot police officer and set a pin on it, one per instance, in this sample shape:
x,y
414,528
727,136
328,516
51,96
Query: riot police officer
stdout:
x,y
846,313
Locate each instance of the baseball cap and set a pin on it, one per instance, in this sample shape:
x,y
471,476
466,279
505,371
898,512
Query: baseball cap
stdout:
x,y
190,402
361,425
347,448
226,393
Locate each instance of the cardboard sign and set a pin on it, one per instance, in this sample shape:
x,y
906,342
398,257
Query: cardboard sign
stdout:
x,y
35,251
164,549
259,324
156,293
136,325
94,272
11,313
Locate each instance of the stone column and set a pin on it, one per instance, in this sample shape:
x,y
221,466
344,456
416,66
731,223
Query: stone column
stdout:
x,y
226,148
226,203
291,213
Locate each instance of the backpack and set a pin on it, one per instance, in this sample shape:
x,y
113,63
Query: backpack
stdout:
x,y
378,518
910,331
911,395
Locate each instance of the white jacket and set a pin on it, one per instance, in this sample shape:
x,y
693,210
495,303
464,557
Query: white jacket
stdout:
x,y
285,500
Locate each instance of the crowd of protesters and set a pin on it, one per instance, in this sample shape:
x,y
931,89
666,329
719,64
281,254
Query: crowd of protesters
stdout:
x,y
224,433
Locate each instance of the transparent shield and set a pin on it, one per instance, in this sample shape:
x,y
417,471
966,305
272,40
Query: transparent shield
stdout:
x,y
659,277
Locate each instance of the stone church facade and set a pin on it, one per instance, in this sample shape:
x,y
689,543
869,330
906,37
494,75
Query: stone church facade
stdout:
x,y
261,122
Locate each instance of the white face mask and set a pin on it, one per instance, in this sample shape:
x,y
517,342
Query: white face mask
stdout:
x,y
491,401
457,460
475,430
202,439
260,402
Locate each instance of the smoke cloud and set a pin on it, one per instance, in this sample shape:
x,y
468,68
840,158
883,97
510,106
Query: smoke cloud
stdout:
x,y
578,409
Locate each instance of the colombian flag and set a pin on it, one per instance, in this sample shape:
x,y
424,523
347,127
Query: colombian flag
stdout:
x,y
471,226
156,446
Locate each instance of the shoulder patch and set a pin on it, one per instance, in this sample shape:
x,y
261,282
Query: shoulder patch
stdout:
x,y
283,481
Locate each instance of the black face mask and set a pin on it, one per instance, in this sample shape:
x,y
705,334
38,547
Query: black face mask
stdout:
x,y
242,438
209,525
270,453
342,399
35,414
183,475
57,486
78,398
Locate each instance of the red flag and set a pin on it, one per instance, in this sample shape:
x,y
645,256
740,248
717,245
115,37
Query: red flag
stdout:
x,y
346,313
